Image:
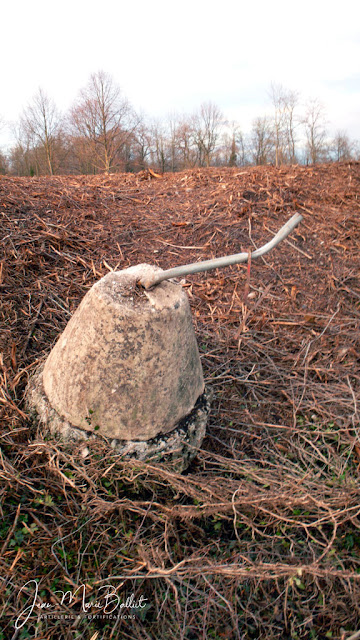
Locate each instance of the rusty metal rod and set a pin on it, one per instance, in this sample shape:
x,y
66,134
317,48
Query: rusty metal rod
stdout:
x,y
226,261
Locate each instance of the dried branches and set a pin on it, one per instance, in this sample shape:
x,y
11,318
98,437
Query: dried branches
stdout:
x,y
264,529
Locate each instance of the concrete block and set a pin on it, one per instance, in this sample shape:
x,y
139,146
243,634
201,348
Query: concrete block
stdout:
x,y
127,365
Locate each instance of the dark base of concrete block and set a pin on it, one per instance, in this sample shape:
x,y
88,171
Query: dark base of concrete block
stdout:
x,y
176,448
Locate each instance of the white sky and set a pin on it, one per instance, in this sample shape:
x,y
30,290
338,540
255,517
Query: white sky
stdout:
x,y
170,56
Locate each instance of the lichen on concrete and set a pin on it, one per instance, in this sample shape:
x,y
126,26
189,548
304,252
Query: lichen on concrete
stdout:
x,y
176,448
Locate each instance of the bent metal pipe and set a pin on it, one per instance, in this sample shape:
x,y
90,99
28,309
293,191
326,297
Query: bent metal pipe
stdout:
x,y
226,261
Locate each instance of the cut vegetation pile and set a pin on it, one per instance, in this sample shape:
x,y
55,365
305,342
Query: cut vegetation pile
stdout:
x,y
261,537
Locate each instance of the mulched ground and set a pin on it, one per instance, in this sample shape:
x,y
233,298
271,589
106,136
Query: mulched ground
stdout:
x,y
261,537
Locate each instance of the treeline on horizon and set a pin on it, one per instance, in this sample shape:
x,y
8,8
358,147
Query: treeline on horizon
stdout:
x,y
103,133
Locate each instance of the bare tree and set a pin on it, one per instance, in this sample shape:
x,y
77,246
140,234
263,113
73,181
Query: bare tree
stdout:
x,y
172,121
292,99
40,126
342,147
22,155
105,121
279,128
261,141
207,129
159,146
284,102
186,142
20,161
3,158
233,146
142,144
3,163
233,156
356,149
314,124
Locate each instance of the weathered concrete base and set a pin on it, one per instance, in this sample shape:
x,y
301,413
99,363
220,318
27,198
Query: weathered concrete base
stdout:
x,y
176,448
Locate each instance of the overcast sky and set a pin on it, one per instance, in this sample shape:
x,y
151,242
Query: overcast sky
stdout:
x,y
169,56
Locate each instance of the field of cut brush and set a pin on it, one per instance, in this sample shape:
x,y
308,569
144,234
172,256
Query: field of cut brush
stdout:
x,y
260,538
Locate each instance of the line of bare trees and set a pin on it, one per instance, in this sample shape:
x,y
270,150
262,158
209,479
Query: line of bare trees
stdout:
x,y
103,133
